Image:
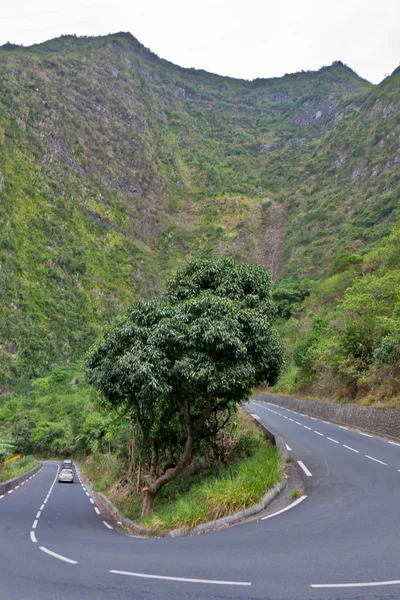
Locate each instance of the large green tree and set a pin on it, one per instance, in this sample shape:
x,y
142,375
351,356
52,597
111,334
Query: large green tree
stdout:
x,y
181,363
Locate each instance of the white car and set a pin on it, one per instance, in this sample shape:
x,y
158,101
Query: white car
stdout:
x,y
66,476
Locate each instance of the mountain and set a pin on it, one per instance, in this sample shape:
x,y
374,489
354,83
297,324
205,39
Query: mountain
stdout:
x,y
117,166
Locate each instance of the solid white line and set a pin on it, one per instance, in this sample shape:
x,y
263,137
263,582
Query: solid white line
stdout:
x,y
349,448
288,448
34,525
332,440
342,427
376,460
318,433
97,510
366,434
303,466
305,427
394,443
59,556
285,509
352,585
107,525
185,579
33,537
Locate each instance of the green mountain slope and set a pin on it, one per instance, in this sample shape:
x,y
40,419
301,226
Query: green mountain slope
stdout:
x,y
117,166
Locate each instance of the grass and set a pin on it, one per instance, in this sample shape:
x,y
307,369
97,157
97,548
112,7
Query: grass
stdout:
x,y
207,490
296,493
230,490
18,467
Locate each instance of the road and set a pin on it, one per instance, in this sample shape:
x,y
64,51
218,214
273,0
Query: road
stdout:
x,y
55,543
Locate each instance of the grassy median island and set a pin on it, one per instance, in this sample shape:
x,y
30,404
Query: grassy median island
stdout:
x,y
17,467
241,467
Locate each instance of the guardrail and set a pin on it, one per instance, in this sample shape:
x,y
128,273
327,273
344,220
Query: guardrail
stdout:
x,y
6,486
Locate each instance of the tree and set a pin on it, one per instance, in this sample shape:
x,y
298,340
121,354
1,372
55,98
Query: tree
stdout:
x,y
181,363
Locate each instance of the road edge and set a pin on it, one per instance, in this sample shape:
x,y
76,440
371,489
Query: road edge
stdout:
x,y
10,484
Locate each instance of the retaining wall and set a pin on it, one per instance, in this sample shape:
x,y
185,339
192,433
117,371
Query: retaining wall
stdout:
x,y
381,421
6,486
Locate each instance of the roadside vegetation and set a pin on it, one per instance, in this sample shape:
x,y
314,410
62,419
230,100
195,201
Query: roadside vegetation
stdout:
x,y
240,467
18,467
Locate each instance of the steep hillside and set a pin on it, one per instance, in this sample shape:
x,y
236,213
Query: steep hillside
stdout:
x,y
116,166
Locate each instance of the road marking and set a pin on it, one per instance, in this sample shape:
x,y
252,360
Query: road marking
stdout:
x,y
185,579
38,515
42,507
285,417
97,510
394,443
342,427
350,585
91,500
318,433
306,427
303,466
349,448
107,525
297,423
326,422
10,491
33,537
2,496
87,494
59,556
366,434
332,440
16,487
313,418
255,417
285,509
376,460
34,524
291,420
288,448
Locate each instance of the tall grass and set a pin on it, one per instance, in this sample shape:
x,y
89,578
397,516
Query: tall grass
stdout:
x,y
18,467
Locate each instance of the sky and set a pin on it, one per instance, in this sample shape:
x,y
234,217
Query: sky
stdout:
x,y
238,38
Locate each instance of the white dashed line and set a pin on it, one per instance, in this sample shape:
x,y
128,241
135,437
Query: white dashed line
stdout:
x,y
42,507
313,418
38,515
376,460
59,556
285,417
34,524
297,423
185,579
91,501
2,496
285,509
353,585
332,440
366,434
342,427
33,537
107,525
288,448
306,427
10,491
303,466
394,443
291,420
318,433
97,510
349,448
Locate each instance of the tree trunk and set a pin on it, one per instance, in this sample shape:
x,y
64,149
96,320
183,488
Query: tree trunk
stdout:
x,y
148,498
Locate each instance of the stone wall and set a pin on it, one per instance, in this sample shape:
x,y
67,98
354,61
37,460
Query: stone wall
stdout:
x,y
380,421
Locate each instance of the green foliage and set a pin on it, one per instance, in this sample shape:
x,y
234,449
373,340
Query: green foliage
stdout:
x,y
180,364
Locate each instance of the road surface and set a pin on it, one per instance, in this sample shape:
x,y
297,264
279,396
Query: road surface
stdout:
x,y
341,542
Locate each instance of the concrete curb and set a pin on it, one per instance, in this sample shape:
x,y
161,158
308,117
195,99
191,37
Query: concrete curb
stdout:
x,y
265,501
6,486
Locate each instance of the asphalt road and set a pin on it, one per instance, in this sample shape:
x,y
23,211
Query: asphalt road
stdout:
x,y
55,543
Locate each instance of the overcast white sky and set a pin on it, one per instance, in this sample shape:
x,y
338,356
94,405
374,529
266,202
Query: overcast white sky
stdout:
x,y
239,38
